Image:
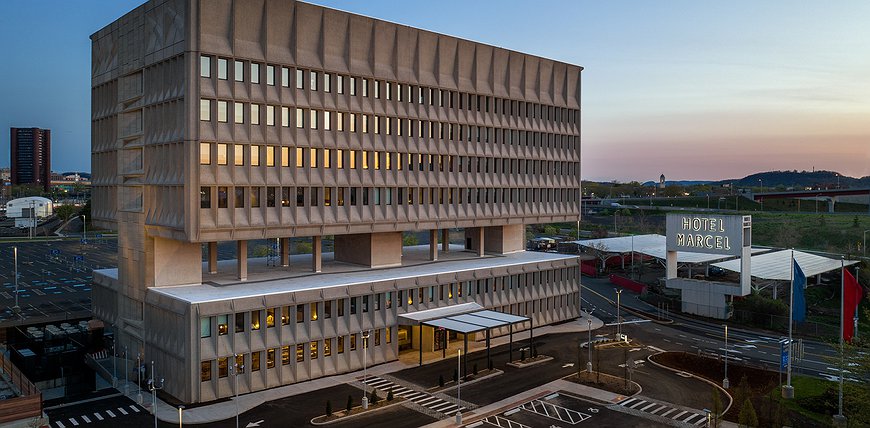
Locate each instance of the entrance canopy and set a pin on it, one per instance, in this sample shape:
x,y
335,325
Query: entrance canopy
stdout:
x,y
777,265
651,245
465,318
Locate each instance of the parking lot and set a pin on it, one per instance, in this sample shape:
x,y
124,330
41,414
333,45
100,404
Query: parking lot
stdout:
x,y
54,277
561,410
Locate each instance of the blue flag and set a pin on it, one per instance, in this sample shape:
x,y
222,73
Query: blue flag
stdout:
x,y
799,303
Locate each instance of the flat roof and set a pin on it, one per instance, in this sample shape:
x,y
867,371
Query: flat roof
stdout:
x,y
202,293
777,265
653,245
469,322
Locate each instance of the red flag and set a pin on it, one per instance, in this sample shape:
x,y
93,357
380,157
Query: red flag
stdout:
x,y
852,295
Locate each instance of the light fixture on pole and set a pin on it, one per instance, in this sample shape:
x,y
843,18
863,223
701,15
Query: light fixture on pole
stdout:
x,y
618,319
16,308
725,383
589,344
236,370
459,386
125,370
153,387
365,338
180,415
139,378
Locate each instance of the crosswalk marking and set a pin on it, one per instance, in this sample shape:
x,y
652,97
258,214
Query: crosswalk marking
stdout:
x,y
692,416
638,404
422,398
647,407
665,414
135,409
679,414
658,409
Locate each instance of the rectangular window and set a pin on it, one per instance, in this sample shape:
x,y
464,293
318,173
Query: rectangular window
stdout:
x,y
285,315
327,347
285,116
353,342
365,304
270,115
270,155
223,367
255,155
377,88
313,119
285,156
353,305
313,311
339,121
312,158
327,83
270,318
378,337
270,358
270,75
238,155
314,349
240,363
255,72
240,197
352,159
364,83
255,320
239,71
340,196
300,196
285,196
223,324
205,197
300,118
239,114
388,335
300,314
204,153
255,361
300,353
222,197
339,341
205,66
327,162
339,84
352,84
285,77
285,355
352,122
205,366
300,83
327,120
313,76
340,304
205,110
223,114
222,69
240,322
255,114
205,327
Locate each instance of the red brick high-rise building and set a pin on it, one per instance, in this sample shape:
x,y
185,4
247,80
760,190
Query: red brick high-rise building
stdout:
x,y
30,156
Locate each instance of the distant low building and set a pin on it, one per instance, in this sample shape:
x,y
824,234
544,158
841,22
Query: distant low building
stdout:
x,y
28,211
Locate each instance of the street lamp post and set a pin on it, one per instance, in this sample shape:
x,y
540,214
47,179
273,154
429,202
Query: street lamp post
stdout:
x,y
236,368
459,386
365,338
725,383
125,370
180,415
153,387
618,318
589,345
139,378
864,247
114,364
16,308
761,182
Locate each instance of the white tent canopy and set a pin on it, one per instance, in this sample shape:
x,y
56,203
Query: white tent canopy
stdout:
x,y
777,265
651,245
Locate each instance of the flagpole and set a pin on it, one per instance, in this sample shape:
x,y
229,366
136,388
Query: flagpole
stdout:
x,y
839,418
788,390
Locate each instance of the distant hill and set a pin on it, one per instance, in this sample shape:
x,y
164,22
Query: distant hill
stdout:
x,y
677,183
799,179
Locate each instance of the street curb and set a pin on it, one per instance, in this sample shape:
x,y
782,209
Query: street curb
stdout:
x,y
730,398
637,312
367,412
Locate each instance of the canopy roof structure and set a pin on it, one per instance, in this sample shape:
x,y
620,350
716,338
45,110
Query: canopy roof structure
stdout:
x,y
465,318
776,265
651,245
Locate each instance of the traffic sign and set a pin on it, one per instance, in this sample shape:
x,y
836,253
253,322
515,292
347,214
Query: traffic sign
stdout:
x,y
79,258
783,353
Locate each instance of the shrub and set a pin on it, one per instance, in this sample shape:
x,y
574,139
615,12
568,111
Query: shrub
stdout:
x,y
747,417
390,395
349,403
474,369
373,397
522,354
328,408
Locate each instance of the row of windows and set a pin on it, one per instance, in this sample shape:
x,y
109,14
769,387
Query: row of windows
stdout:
x,y
317,80
339,121
316,348
340,196
315,158
324,310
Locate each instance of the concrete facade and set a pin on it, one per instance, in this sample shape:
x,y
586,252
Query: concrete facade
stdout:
x,y
274,119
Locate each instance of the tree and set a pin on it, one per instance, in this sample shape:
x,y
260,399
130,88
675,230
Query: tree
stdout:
x,y
65,212
747,417
716,411
409,239
601,252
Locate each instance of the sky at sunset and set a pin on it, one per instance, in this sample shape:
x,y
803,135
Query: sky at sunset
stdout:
x,y
693,90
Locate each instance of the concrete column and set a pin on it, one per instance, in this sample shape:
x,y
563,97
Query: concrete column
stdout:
x,y
480,249
285,252
242,260
316,253
212,257
445,240
433,244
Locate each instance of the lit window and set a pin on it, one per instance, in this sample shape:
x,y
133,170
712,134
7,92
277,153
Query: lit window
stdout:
x,y
327,84
255,361
285,355
270,358
353,342
339,83
312,160
222,69
327,347
223,324
300,118
300,157
300,84
313,119
285,116
314,349
326,160
255,114
327,196
377,88
313,77
339,159
255,155
223,367
270,115
285,156
205,66
204,153
255,320
365,124
205,366
365,87
352,85
300,353
238,155
205,110
270,155
352,122
313,310
239,71
339,121
327,120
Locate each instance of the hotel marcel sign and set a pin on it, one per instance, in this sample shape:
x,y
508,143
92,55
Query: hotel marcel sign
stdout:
x,y
710,234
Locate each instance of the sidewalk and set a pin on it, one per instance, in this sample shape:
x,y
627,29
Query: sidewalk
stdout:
x,y
226,409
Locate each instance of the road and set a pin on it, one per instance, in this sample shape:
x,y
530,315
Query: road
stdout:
x,y
692,335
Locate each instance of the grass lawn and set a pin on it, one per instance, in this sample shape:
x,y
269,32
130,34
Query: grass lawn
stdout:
x,y
807,388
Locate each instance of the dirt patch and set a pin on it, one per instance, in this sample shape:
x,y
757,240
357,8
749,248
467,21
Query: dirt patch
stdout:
x,y
614,384
759,385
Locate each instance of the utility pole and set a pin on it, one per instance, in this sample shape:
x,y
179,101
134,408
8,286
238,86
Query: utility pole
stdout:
x,y
154,387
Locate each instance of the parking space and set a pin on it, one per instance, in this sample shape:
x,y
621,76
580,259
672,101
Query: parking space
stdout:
x,y
561,410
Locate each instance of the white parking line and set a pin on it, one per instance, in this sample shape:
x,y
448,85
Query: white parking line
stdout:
x,y
647,407
135,409
124,412
74,422
86,419
60,424
109,412
98,416
679,414
665,414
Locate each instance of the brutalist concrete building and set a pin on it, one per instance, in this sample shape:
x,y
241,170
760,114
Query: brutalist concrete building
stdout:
x,y
233,121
